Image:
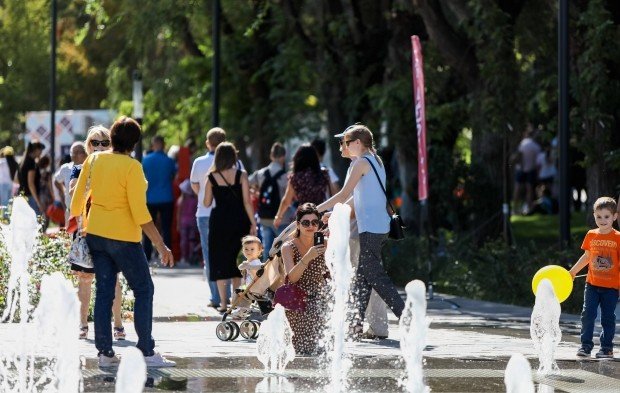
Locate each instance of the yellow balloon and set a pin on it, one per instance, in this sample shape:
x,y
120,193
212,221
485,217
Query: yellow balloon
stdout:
x,y
560,278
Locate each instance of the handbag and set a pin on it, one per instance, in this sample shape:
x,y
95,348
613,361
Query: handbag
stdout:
x,y
56,213
79,254
396,223
291,296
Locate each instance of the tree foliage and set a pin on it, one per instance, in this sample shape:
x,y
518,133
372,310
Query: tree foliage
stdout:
x,y
292,67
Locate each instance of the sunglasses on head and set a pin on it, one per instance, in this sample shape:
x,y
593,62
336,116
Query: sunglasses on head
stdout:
x,y
308,223
97,143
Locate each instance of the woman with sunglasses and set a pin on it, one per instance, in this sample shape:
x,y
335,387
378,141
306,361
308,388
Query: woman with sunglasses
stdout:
x,y
373,221
304,263
97,140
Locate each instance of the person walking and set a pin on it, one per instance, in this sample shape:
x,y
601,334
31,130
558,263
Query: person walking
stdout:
x,y
117,217
231,219
198,179
270,182
321,148
29,177
6,181
308,183
373,221
159,170
376,312
97,140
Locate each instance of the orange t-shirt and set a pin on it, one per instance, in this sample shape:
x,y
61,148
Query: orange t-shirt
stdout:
x,y
603,268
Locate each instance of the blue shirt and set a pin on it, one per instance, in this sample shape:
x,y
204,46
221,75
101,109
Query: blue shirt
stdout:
x,y
159,170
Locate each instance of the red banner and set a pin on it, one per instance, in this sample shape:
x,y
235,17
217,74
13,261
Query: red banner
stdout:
x,y
420,115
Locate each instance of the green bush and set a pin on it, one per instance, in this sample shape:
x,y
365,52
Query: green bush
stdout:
x,y
49,256
493,272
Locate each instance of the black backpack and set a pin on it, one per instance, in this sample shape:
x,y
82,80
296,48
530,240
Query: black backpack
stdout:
x,y
269,197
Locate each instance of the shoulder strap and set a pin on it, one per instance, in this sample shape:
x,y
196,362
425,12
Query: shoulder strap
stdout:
x,y
279,174
212,179
228,184
381,184
237,176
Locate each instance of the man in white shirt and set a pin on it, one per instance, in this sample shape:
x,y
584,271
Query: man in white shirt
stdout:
x,y
527,173
268,199
198,178
62,177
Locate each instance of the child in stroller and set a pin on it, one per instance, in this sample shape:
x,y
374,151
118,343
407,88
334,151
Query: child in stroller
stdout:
x,y
260,282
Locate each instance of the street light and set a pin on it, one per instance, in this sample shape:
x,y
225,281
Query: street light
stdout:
x,y
53,85
138,109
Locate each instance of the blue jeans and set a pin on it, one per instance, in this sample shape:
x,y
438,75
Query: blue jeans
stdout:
x,y
33,204
203,229
6,191
110,257
594,297
268,234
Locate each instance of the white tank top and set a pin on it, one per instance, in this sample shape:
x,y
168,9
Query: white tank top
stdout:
x,y
370,201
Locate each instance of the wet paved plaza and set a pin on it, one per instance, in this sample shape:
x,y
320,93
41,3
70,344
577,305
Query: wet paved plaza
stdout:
x,y
369,374
468,346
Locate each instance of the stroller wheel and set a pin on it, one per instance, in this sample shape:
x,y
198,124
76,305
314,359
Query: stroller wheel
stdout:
x,y
235,329
256,328
224,331
248,329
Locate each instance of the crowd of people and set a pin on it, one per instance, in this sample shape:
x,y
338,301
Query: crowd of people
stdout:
x,y
121,206
536,189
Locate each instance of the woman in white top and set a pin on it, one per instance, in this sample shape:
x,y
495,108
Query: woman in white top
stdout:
x,y
373,221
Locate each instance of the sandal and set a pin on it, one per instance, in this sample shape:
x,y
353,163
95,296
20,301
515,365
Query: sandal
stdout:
x,y
83,332
119,333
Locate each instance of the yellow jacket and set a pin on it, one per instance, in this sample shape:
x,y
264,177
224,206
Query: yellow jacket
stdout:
x,y
118,191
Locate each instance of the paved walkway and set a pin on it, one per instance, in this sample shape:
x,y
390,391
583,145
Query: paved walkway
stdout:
x,y
468,345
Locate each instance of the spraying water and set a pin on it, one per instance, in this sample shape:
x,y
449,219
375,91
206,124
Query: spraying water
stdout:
x,y
339,263
274,346
131,375
413,325
20,238
518,376
275,384
55,319
545,327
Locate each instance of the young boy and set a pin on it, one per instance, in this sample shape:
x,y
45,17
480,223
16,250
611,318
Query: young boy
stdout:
x,y
252,249
601,253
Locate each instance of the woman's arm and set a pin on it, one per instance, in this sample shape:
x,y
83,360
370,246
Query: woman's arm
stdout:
x,y
245,188
360,168
296,271
150,230
286,201
33,189
208,199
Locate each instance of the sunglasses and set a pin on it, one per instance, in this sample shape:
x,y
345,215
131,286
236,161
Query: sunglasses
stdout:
x,y
349,141
96,143
308,223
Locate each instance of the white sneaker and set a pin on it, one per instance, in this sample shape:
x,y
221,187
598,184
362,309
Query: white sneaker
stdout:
x,y
107,361
158,361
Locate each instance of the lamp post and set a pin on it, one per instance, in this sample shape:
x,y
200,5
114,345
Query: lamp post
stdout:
x,y
564,134
138,109
215,76
53,86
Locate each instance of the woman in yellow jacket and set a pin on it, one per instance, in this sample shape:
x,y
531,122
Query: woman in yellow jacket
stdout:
x,y
115,221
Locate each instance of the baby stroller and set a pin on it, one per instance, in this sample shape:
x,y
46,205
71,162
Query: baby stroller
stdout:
x,y
257,296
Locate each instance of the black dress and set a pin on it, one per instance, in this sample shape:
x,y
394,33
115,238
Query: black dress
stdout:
x,y
228,224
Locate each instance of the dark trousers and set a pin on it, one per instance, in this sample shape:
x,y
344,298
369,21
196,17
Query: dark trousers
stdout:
x,y
164,210
606,298
371,275
110,257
